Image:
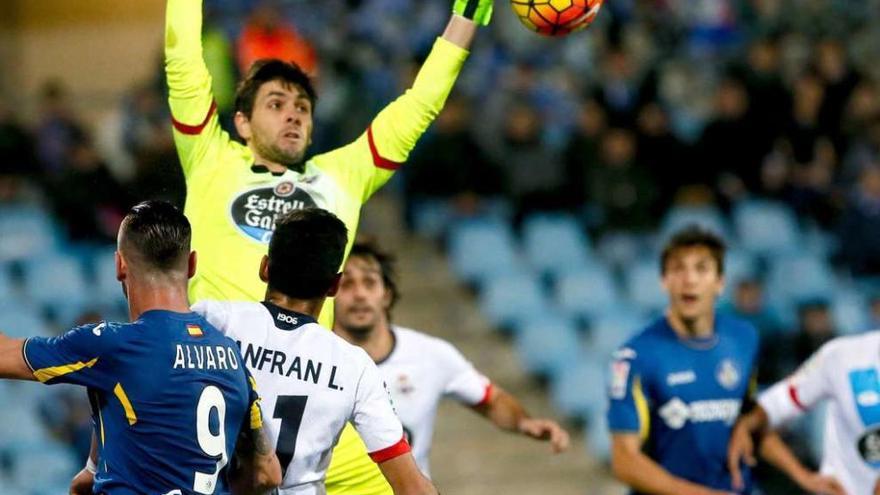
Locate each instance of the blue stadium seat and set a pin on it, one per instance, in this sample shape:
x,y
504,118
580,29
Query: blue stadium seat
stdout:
x,y
585,292
794,279
57,283
611,329
849,308
43,465
480,249
21,319
7,288
738,266
578,391
707,217
643,285
598,437
28,232
766,228
108,292
512,299
546,346
554,244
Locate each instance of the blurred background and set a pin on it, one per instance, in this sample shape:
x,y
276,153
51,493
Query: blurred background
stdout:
x,y
528,220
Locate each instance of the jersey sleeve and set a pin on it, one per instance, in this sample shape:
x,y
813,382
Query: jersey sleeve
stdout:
x,y
255,414
628,409
197,132
82,356
795,395
363,166
374,417
216,313
465,384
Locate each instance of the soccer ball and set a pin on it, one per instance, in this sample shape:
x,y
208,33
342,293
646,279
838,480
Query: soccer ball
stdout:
x,y
556,17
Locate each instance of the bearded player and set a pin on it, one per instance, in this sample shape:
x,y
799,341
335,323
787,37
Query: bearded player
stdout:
x,y
235,191
421,370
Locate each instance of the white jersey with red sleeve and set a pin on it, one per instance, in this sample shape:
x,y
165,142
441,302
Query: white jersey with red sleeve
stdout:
x,y
844,372
419,372
311,383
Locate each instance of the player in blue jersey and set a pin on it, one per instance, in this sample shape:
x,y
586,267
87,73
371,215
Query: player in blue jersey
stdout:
x,y
170,394
678,386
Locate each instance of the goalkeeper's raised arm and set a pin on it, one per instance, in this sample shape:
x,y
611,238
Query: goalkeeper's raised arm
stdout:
x,y
366,164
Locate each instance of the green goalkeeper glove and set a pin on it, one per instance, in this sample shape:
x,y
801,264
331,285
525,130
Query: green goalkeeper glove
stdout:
x,y
479,11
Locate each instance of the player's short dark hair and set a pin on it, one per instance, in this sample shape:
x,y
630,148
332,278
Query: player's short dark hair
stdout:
x,y
271,69
365,248
305,253
694,236
157,234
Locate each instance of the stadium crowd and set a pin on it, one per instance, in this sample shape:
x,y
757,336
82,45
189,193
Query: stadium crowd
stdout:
x,y
661,106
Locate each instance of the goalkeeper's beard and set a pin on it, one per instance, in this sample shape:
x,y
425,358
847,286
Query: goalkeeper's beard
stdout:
x,y
273,153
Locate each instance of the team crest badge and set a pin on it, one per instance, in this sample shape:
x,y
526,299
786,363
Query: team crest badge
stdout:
x,y
284,189
404,385
727,374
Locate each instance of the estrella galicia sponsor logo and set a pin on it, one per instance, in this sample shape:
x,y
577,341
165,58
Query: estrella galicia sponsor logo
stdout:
x,y
254,211
869,446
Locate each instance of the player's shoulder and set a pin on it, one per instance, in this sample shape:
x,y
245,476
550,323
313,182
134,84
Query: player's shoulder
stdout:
x,y
414,339
730,326
851,345
642,341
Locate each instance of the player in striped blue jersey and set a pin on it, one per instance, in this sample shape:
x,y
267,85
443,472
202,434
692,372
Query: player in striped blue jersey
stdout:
x,y
171,398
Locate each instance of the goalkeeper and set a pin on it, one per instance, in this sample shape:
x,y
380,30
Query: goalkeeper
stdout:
x,y
235,191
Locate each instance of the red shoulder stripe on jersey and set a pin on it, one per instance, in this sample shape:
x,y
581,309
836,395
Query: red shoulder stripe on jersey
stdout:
x,y
378,161
792,392
194,130
388,453
487,396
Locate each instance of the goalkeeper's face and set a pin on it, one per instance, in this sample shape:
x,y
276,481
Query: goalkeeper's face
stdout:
x,y
693,281
362,303
279,130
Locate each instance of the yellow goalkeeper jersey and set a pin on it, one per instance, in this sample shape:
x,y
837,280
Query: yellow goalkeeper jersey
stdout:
x,y
232,202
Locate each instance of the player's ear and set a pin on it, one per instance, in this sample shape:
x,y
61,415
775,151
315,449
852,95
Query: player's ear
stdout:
x,y
264,269
243,126
334,289
191,265
121,267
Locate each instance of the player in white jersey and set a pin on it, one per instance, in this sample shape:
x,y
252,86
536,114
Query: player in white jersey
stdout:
x,y
420,369
843,372
312,382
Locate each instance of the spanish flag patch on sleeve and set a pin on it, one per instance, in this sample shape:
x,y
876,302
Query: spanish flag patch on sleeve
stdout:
x,y
194,330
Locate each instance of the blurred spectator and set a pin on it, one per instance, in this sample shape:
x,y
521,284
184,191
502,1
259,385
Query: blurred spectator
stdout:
x,y
86,197
147,137
860,225
667,159
749,304
621,187
581,155
57,130
619,89
17,158
840,80
730,146
535,171
267,35
449,164
815,327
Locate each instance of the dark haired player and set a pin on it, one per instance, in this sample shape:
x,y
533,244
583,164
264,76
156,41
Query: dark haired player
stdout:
x,y
419,369
678,386
235,192
170,394
312,381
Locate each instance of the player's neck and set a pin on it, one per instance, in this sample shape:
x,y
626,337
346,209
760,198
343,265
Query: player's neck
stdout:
x,y
146,296
275,167
378,342
310,307
702,327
